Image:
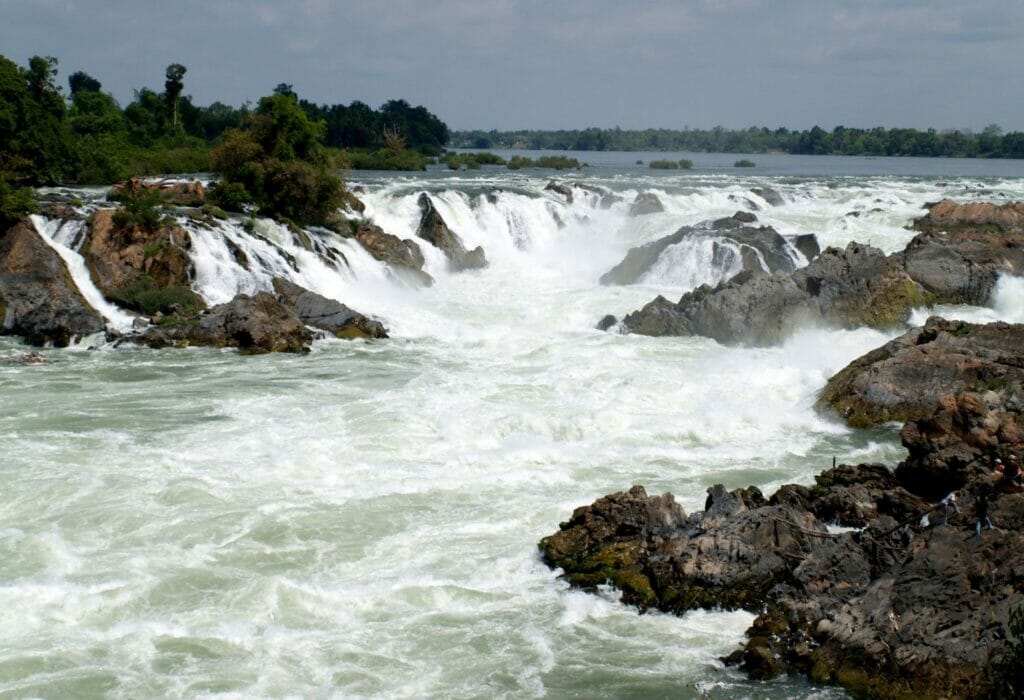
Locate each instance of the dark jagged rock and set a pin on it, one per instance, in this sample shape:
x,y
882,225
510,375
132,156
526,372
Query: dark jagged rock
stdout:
x,y
844,288
964,248
859,286
403,257
352,202
904,379
887,611
646,203
751,308
181,194
561,189
253,324
38,299
731,233
807,243
433,229
607,322
608,199
769,195
327,314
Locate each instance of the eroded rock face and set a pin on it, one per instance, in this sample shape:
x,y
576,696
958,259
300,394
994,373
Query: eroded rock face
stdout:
x,y
119,254
860,286
434,230
38,299
904,379
887,611
181,194
253,324
328,314
402,256
958,441
757,247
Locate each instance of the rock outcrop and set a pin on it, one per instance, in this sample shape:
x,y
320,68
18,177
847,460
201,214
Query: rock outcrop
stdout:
x,y
253,324
889,610
434,230
904,379
120,253
38,299
646,203
963,248
327,314
958,442
857,286
402,256
757,248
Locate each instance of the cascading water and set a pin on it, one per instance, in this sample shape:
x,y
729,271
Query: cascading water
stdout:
x,y
362,521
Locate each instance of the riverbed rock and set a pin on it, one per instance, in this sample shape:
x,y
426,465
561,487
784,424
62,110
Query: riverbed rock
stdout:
x,y
806,243
38,299
904,379
561,189
769,195
253,324
964,248
174,192
860,286
121,253
646,203
328,314
402,256
889,610
958,441
734,241
434,230
844,288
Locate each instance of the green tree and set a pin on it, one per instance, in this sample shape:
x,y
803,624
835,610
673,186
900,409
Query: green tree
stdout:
x,y
172,89
277,162
80,81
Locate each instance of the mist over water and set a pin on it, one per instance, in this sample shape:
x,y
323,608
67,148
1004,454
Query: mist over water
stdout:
x,y
362,521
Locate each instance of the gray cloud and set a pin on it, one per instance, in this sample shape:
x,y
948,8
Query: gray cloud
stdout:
x,y
574,63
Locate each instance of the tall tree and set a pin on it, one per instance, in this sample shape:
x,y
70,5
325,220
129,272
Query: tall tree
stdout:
x,y
172,89
80,81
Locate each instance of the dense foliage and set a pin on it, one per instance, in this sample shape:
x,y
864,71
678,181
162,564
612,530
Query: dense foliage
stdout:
x,y
990,143
86,137
276,162
1009,668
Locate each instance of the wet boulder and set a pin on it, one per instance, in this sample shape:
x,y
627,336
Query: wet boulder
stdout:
x,y
735,243
905,378
253,324
860,286
38,299
327,314
964,248
561,189
402,256
435,231
646,203
773,198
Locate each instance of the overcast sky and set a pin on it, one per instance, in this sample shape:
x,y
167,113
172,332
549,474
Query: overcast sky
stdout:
x,y
547,64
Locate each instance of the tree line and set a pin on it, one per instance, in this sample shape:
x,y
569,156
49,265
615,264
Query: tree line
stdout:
x,y
992,142
84,136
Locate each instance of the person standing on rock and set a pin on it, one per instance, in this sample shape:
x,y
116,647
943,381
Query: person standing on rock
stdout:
x,y
949,502
1011,472
981,514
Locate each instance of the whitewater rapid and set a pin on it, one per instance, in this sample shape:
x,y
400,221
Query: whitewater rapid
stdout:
x,y
362,521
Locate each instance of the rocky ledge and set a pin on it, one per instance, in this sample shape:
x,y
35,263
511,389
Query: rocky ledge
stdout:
x,y
891,609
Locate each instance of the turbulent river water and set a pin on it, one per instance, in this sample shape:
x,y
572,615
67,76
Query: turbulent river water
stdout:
x,y
362,521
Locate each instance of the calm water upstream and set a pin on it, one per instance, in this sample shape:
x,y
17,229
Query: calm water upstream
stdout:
x,y
362,521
